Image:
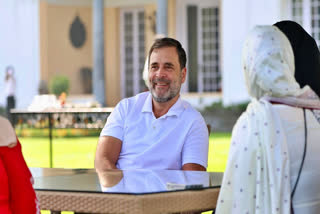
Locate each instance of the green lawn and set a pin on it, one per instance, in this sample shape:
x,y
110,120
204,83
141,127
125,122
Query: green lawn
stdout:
x,y
78,152
75,152
218,151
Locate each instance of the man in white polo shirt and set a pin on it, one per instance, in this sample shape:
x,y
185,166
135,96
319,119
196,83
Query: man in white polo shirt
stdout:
x,y
156,129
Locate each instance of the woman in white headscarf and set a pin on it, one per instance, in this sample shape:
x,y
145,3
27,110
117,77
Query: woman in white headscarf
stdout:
x,y
16,192
271,138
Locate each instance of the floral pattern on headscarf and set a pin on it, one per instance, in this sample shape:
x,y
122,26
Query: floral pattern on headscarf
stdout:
x,y
268,64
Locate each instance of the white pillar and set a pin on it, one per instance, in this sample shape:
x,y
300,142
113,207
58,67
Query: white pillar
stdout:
x,y
162,17
98,52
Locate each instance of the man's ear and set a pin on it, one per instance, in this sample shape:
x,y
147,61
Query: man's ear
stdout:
x,y
183,74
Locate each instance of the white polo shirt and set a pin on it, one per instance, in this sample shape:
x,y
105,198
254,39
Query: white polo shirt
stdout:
x,y
168,142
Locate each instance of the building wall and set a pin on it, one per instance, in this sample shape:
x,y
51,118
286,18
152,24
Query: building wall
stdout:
x,y
19,36
238,18
149,10
172,18
58,56
43,28
112,56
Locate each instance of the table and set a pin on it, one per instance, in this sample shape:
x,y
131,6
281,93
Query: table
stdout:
x,y
127,191
61,118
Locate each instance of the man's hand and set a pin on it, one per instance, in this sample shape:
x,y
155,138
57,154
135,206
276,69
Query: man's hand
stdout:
x,y
107,153
193,167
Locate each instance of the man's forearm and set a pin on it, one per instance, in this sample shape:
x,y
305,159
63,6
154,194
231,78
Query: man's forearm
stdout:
x,y
107,154
104,164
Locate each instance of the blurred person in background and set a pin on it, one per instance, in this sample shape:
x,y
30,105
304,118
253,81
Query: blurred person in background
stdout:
x,y
10,89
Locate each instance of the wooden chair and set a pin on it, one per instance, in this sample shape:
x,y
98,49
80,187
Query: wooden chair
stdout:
x,y
209,128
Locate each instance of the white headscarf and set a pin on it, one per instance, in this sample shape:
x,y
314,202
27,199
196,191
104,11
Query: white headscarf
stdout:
x,y
257,178
7,133
268,64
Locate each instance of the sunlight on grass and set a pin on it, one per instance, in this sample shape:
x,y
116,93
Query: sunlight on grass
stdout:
x,y
218,151
78,152
75,152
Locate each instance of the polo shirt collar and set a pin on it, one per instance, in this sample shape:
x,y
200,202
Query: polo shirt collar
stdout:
x,y
147,106
175,110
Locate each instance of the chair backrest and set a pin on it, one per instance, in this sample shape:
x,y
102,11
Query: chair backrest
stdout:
x,y
209,128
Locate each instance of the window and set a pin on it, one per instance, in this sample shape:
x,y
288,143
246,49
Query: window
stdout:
x,y
315,20
132,51
297,11
210,75
307,13
200,22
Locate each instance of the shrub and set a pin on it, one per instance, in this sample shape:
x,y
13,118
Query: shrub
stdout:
x,y
59,84
241,107
44,132
2,111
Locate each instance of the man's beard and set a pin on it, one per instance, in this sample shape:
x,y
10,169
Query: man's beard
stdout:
x,y
173,90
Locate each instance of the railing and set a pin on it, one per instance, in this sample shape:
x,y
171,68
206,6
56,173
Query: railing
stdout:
x,y
74,118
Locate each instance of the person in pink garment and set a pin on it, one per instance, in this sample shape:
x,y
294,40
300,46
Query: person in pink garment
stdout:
x,y
16,191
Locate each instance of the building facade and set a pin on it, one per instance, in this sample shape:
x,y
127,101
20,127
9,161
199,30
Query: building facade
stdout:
x,y
58,41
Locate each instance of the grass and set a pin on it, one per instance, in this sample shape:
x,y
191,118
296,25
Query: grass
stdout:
x,y
218,151
78,152
67,152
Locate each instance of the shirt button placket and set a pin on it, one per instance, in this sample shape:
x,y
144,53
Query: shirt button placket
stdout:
x,y
154,126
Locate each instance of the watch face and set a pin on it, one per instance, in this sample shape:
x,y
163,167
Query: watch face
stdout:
x,y
77,33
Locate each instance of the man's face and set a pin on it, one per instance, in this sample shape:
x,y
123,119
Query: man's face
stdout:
x,y
165,74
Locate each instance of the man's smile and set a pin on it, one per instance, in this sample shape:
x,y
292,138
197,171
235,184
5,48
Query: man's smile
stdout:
x,y
161,83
